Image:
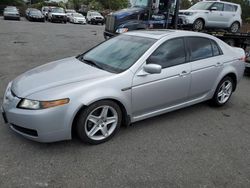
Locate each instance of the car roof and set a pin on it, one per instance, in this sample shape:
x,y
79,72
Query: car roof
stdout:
x,y
158,34
213,1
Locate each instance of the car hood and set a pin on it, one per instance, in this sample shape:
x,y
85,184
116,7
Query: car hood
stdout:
x,y
200,11
79,18
127,12
57,73
58,14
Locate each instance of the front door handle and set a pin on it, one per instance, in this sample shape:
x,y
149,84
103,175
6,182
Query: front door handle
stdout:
x,y
183,73
218,64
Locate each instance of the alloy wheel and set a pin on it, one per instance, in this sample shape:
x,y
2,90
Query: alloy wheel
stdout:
x,y
225,91
101,122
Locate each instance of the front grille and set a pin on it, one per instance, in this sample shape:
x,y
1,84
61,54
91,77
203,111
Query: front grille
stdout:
x,y
110,23
30,132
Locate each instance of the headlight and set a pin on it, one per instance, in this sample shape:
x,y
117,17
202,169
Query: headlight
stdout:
x,y
38,105
189,13
122,30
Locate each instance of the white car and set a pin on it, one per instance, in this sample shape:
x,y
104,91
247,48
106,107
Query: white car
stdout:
x,y
57,14
69,12
212,14
94,17
77,18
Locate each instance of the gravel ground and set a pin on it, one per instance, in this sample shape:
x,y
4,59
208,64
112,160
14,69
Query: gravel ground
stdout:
x,y
199,146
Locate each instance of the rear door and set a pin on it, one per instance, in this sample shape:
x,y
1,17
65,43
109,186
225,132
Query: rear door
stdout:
x,y
230,13
206,63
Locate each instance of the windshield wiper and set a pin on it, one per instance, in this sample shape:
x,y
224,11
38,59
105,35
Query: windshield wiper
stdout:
x,y
90,62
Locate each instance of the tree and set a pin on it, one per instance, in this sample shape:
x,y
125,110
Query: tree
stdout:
x,y
185,4
12,2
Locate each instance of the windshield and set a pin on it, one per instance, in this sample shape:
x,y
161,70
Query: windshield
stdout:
x,y
139,3
201,6
77,15
36,12
10,9
95,14
70,11
119,53
58,10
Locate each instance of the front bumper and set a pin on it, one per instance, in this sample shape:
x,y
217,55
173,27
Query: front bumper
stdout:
x,y
59,18
12,17
47,125
80,21
37,19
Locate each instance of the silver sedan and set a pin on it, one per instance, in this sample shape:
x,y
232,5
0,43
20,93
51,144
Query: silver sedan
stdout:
x,y
128,78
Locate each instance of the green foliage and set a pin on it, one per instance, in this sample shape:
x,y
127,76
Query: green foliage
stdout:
x,y
95,5
100,4
185,4
12,2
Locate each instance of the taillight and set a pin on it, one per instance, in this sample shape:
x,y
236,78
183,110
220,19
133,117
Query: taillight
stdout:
x,y
243,58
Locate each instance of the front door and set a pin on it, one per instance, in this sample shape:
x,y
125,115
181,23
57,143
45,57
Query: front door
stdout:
x,y
155,92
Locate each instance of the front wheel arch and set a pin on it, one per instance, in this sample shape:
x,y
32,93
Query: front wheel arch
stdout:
x,y
125,117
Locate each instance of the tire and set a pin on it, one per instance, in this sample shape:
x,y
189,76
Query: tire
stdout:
x,y
230,42
198,25
235,27
223,92
92,124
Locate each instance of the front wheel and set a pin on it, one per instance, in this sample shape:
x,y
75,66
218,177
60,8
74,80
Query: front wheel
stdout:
x,y
223,91
198,25
99,122
234,27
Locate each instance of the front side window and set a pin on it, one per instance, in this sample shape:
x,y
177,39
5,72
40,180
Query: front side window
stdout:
x,y
169,54
200,48
219,6
117,54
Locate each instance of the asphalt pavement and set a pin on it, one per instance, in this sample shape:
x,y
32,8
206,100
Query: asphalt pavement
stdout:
x,y
199,146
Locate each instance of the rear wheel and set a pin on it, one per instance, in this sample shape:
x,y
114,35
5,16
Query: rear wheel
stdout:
x,y
234,27
198,25
99,122
223,91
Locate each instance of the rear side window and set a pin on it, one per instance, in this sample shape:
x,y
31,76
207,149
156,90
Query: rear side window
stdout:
x,y
200,48
170,53
230,8
216,49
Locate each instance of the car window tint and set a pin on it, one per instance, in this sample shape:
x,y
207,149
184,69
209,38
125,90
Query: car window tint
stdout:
x,y
169,54
216,49
229,8
219,6
200,48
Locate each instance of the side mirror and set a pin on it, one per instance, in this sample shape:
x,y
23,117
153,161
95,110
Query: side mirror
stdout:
x,y
152,68
213,8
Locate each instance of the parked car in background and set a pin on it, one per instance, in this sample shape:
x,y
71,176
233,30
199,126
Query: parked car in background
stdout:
x,y
131,77
36,15
248,62
57,14
27,12
45,11
212,14
11,13
94,17
77,18
69,12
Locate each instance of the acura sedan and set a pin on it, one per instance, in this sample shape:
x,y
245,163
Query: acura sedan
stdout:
x,y
131,77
